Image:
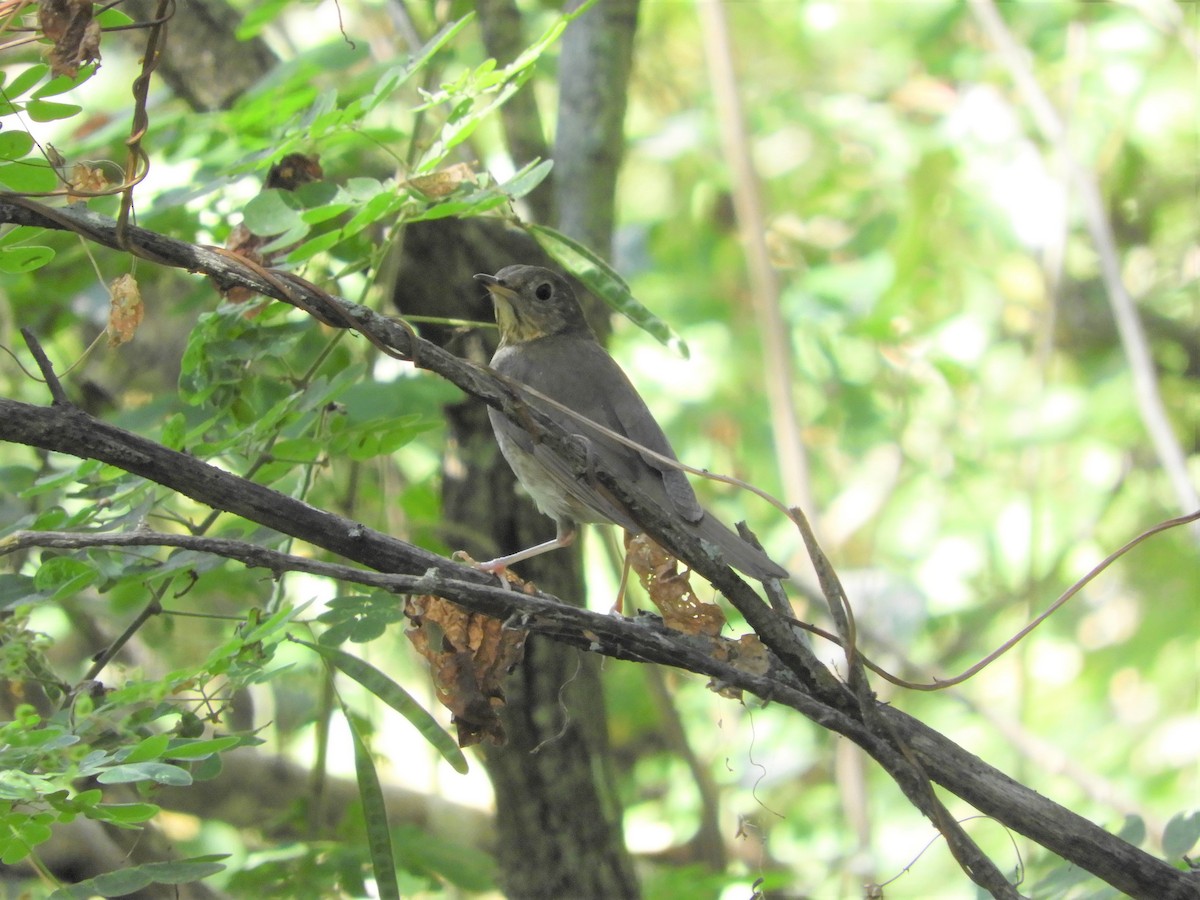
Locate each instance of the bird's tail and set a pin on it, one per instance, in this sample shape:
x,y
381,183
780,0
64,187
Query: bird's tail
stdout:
x,y
740,554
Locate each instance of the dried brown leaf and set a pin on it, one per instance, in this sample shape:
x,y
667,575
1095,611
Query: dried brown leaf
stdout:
x,y
443,182
294,170
125,310
469,657
85,180
74,32
671,590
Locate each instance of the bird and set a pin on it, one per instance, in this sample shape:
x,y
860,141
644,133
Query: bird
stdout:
x,y
547,344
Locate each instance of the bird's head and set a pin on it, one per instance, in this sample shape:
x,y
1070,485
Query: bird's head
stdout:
x,y
532,302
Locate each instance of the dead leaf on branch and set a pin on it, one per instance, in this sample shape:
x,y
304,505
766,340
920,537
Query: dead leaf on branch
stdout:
x,y
747,653
84,181
125,310
291,172
671,590
70,25
469,657
443,182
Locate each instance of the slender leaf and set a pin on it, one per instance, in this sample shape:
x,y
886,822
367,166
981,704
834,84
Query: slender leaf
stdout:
x,y
25,81
201,749
396,697
370,794
527,179
395,77
150,748
604,281
126,881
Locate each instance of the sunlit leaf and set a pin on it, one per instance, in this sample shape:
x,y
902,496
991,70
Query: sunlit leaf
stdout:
x,y
604,282
162,773
48,111
29,176
394,696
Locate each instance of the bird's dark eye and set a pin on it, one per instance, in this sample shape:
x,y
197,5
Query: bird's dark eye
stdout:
x,y
543,291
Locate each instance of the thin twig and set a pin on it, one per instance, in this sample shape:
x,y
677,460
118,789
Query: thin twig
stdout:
x,y
764,285
138,165
57,393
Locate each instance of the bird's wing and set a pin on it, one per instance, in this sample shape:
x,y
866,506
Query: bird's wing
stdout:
x,y
526,364
636,422
595,387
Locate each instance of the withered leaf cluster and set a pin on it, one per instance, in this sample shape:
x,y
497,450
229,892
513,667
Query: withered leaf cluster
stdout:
x,y
70,25
469,657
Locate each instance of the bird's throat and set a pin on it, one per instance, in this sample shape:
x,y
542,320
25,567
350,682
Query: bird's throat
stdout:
x,y
513,328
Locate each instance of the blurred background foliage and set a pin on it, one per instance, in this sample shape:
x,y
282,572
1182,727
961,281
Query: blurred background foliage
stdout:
x,y
974,439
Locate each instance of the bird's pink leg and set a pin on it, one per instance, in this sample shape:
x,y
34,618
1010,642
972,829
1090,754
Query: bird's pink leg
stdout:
x,y
564,538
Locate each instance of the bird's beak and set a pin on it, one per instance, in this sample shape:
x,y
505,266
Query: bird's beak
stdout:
x,y
495,286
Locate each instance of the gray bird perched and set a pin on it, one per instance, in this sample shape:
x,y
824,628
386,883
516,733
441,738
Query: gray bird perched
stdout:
x,y
546,343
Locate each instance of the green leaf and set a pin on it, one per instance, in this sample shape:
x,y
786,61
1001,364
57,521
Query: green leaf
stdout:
x,y
259,17
63,83
29,176
462,208
318,244
273,211
201,749
113,18
378,437
124,813
64,576
527,179
604,281
318,214
23,82
174,431
380,206
370,794
150,748
15,260
127,881
162,773
396,697
49,111
360,189
423,853
393,78
1181,834
15,144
